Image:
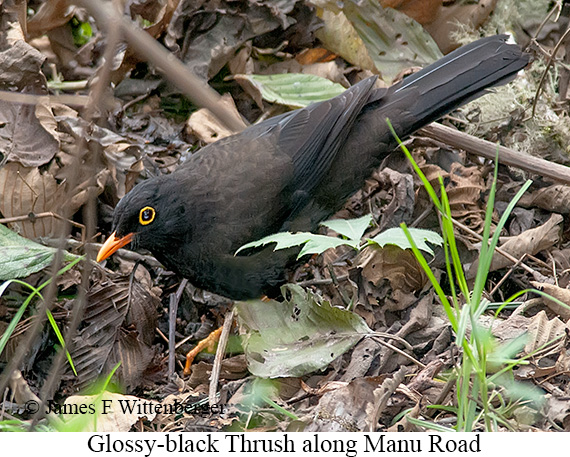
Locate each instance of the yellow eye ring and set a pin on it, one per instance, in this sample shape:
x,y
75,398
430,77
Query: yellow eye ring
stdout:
x,y
147,215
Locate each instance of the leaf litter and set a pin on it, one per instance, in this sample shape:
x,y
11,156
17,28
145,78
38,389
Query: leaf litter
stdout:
x,y
348,380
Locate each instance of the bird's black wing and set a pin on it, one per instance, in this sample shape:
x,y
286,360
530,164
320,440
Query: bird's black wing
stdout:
x,y
313,136
267,173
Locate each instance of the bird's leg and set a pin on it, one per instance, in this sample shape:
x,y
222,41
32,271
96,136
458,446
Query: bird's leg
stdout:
x,y
206,343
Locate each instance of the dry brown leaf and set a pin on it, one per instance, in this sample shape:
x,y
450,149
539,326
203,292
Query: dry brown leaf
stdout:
x,y
425,378
333,71
118,326
206,126
422,11
401,207
432,172
563,362
328,386
242,63
26,190
315,55
452,17
558,411
404,425
89,189
562,265
122,157
464,188
557,292
124,165
349,408
464,192
28,133
420,315
509,329
50,15
530,241
20,65
398,266
555,198
159,19
542,331
232,368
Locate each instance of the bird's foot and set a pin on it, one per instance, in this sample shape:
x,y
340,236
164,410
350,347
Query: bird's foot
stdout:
x,y
206,343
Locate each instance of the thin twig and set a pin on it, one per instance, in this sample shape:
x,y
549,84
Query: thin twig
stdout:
x,y
32,216
506,275
556,8
30,99
220,352
497,248
172,312
488,150
548,65
123,253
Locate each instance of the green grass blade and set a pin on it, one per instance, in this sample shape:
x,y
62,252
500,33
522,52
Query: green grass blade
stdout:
x,y
21,310
449,310
60,339
430,190
428,425
35,291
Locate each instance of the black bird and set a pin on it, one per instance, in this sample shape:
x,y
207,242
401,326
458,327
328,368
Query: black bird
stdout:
x,y
290,172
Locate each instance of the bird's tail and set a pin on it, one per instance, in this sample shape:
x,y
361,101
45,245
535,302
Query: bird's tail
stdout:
x,y
461,76
458,78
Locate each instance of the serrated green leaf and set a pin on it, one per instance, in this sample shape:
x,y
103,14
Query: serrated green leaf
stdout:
x,y
353,229
21,257
296,90
320,243
297,336
397,237
312,243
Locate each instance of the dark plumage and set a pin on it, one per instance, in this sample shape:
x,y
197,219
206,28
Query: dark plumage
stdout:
x,y
291,172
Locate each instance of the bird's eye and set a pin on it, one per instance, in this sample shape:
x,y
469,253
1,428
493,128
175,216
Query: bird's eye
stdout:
x,y
146,216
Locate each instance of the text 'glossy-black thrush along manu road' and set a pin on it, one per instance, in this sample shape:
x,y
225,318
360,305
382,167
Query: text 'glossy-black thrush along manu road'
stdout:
x,y
290,172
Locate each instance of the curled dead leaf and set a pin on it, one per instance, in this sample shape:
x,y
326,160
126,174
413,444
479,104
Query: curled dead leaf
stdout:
x,y
422,11
452,16
49,16
398,266
555,198
206,126
464,190
530,241
118,326
27,133
349,408
542,331
559,293
25,191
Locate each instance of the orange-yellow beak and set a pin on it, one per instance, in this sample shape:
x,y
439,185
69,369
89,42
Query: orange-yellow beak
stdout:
x,y
112,245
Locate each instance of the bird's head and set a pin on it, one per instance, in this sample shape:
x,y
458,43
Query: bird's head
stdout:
x,y
150,216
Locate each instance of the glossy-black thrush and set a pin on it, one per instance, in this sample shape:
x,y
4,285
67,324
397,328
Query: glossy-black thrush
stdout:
x,y
290,172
